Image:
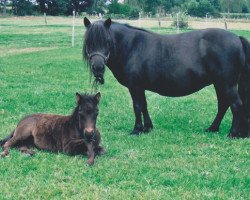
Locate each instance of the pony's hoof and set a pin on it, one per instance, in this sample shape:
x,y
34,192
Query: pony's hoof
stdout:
x,y
147,129
212,129
135,132
232,136
235,136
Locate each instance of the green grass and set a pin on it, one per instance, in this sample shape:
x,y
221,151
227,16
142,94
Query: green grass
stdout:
x,y
40,72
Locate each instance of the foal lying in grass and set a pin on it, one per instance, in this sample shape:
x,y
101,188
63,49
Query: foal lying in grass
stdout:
x,y
74,134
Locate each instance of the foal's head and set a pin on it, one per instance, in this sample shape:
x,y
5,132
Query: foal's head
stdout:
x,y
87,111
97,46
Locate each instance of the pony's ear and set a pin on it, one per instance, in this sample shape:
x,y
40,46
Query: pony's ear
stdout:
x,y
107,23
78,98
86,22
98,97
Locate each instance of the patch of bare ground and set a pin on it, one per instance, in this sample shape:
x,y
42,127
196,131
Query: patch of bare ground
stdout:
x,y
14,51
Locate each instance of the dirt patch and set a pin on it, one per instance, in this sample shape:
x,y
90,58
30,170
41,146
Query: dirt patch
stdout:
x,y
12,51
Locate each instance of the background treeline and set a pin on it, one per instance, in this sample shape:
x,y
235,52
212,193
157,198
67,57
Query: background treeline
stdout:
x,y
129,9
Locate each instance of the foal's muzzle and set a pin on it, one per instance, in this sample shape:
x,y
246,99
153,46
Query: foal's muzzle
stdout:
x,y
89,134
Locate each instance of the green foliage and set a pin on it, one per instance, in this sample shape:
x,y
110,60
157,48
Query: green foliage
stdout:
x,y
236,15
182,20
118,10
131,8
22,7
245,8
57,7
199,9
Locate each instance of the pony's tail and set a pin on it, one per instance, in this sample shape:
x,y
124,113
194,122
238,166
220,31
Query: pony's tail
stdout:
x,y
244,88
3,141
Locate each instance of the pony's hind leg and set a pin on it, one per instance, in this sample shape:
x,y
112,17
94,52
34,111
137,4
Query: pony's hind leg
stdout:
x,y
239,115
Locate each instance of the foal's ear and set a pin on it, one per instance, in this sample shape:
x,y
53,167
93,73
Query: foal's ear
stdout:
x,y
107,23
98,97
86,22
78,98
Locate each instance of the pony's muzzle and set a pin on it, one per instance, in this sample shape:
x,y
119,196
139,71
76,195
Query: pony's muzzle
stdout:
x,y
99,79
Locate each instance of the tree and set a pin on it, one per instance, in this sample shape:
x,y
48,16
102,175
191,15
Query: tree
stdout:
x,y
151,6
200,9
4,6
231,5
22,7
42,5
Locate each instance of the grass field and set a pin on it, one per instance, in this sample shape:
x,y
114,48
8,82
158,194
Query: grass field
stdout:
x,y
40,72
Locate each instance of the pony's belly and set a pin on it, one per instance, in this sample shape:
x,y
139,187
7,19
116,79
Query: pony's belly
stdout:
x,y
179,89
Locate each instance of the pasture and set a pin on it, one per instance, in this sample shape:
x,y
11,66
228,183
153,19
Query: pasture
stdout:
x,y
40,72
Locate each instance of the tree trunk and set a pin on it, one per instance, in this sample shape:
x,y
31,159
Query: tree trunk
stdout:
x,y
4,7
42,6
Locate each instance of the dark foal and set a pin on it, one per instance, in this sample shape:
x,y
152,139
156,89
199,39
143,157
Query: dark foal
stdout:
x,y
73,134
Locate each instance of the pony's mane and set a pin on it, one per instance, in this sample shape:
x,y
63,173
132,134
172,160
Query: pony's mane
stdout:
x,y
98,36
134,28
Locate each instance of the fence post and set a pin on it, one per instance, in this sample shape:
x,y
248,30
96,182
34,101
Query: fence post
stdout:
x,y
225,23
139,20
177,23
206,19
73,29
45,18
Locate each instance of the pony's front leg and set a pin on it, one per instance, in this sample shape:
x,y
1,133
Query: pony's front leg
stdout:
x,y
140,107
90,153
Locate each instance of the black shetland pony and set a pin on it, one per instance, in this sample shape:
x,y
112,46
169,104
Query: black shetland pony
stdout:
x,y
173,65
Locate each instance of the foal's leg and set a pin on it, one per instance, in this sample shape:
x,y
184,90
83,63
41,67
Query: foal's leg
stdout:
x,y
140,106
26,150
91,153
99,150
18,136
223,105
71,146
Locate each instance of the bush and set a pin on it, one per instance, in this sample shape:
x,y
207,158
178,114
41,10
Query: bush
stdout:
x,y
183,20
122,10
200,9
